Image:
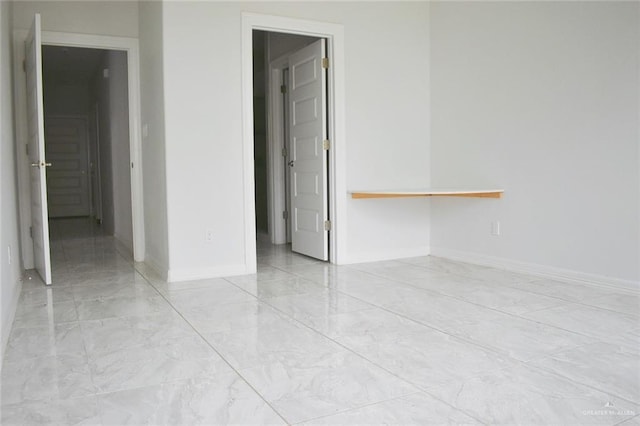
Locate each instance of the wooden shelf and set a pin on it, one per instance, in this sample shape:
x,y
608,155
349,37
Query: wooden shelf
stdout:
x,y
430,192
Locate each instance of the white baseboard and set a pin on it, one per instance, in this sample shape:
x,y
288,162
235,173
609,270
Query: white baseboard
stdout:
x,y
160,270
390,254
124,247
174,275
8,315
536,269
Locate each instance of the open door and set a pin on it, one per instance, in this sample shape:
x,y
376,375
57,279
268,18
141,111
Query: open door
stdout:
x,y
308,130
35,127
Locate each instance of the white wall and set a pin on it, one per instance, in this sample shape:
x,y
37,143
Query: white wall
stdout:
x,y
153,144
105,159
103,17
91,17
386,114
9,239
540,98
119,123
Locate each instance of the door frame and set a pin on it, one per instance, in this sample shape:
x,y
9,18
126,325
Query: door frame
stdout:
x,y
54,38
334,34
276,174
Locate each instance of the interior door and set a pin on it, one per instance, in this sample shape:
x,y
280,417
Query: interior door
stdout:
x,y
35,125
68,179
308,157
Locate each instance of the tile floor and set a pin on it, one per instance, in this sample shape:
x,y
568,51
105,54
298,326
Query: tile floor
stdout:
x,y
414,341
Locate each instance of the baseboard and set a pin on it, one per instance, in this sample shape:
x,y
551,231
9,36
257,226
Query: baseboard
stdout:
x,y
174,275
157,267
8,316
390,254
123,247
536,269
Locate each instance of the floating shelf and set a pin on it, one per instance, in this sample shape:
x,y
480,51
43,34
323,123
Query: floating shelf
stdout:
x,y
431,192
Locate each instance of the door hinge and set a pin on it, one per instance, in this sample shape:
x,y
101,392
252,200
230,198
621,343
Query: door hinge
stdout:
x,y
327,225
326,144
132,165
26,148
325,63
283,89
285,215
284,152
24,65
31,231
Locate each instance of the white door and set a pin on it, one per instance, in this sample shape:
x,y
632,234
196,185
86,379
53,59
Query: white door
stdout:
x,y
35,125
68,178
308,157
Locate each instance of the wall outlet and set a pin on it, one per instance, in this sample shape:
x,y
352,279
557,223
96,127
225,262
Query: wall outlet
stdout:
x,y
208,235
495,228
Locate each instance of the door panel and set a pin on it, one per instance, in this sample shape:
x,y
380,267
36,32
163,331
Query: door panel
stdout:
x,y
68,178
35,126
308,124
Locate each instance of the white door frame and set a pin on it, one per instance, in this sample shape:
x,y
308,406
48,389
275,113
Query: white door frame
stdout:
x,y
277,196
334,33
126,44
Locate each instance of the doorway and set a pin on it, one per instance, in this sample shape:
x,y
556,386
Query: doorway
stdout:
x,y
291,160
86,122
30,127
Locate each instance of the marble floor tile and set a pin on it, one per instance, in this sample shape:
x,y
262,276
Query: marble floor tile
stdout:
x,y
570,291
265,273
33,342
415,409
495,277
625,303
165,287
281,287
153,364
225,399
613,369
449,284
603,324
314,305
111,290
411,341
48,377
402,272
429,358
439,311
121,307
439,264
45,294
364,326
113,334
520,338
277,342
54,412
508,299
222,293
635,421
232,316
333,384
521,395
45,314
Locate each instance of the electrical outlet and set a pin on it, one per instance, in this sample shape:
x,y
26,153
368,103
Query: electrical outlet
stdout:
x,y
208,235
495,228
